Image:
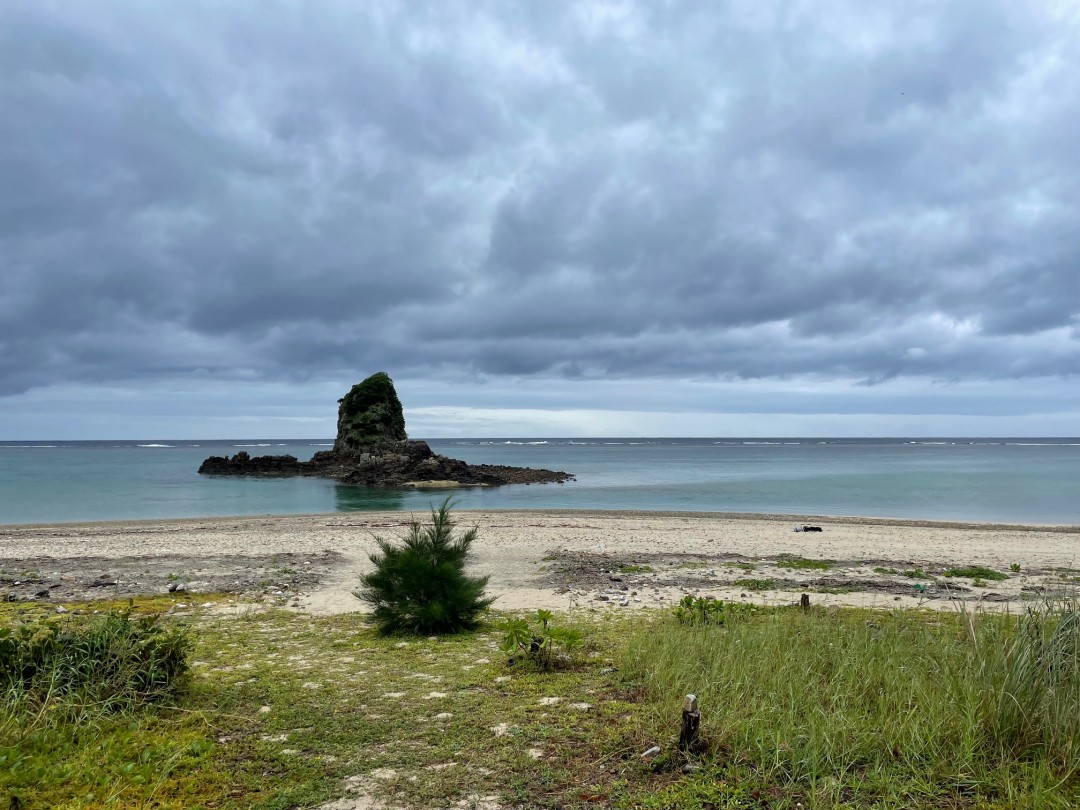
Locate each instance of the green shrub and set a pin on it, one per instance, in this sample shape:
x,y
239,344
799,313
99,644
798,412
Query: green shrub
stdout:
x,y
112,663
421,586
707,610
542,643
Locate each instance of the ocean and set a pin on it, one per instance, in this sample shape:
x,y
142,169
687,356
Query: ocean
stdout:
x,y
999,480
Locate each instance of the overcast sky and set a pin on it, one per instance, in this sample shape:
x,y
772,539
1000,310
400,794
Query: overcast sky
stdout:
x,y
587,218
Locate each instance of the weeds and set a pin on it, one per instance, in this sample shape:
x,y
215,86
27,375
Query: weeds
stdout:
x,y
755,584
113,663
542,643
707,610
803,563
976,572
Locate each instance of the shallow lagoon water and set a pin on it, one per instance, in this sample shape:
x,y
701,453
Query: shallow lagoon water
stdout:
x,y
1001,480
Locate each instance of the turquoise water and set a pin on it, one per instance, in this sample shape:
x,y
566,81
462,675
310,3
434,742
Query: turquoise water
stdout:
x,y
1021,480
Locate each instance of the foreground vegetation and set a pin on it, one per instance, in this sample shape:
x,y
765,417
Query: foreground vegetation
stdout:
x,y
827,708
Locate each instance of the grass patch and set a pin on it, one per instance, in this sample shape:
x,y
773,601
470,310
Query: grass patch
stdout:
x,y
831,708
755,584
635,569
915,573
976,572
854,708
886,571
283,708
803,563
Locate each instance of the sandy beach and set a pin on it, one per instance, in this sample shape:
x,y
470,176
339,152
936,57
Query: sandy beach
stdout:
x,y
555,559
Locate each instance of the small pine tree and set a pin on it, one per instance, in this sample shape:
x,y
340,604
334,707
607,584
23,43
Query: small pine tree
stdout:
x,y
421,586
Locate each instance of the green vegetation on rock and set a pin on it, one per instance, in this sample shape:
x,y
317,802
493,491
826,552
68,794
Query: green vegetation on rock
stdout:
x,y
370,415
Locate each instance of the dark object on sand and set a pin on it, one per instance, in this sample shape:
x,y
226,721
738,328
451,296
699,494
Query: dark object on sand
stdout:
x,y
373,449
808,528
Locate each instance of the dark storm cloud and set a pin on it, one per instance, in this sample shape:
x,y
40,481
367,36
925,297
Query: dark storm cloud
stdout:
x,y
282,191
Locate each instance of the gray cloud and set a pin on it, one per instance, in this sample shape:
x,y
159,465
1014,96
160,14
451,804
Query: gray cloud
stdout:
x,y
589,191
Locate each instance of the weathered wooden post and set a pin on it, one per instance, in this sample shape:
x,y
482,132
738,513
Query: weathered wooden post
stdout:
x,y
804,601
691,721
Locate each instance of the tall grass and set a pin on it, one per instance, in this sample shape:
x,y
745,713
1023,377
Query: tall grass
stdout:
x,y
1037,674
848,702
67,667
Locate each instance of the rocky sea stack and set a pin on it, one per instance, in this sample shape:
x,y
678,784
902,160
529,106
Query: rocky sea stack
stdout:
x,y
373,449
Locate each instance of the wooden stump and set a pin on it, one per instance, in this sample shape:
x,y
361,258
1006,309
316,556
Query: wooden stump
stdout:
x,y
804,601
691,721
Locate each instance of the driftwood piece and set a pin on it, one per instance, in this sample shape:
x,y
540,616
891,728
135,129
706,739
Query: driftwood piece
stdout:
x,y
691,721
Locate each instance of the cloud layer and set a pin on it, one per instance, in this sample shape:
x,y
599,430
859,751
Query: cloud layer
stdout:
x,y
288,192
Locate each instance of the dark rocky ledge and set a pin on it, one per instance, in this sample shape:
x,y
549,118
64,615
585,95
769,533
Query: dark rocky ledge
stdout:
x,y
372,450
411,464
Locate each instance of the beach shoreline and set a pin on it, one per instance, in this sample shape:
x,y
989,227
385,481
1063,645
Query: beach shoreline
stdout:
x,y
563,559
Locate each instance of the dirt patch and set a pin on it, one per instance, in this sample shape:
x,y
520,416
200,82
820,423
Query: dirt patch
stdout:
x,y
61,579
611,572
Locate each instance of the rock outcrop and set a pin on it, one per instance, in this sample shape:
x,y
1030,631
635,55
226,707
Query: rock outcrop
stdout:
x,y
372,449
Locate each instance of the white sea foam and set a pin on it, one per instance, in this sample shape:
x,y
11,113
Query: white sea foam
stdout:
x,y
26,446
252,445
153,445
